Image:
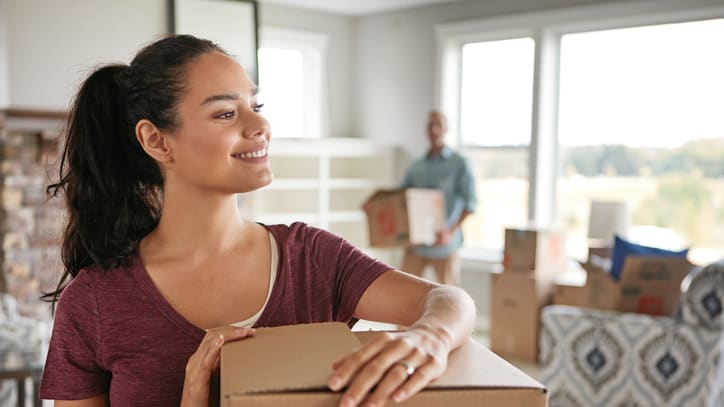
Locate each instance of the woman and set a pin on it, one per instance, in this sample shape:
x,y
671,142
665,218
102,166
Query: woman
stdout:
x,y
161,269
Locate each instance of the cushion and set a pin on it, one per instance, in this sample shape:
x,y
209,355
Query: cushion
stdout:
x,y
702,297
623,248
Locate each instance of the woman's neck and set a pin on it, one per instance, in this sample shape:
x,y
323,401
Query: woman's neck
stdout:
x,y
196,223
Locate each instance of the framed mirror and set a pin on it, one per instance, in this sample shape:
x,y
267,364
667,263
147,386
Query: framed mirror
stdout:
x,y
233,24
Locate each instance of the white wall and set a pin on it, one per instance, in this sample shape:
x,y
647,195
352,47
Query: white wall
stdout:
x,y
53,45
4,84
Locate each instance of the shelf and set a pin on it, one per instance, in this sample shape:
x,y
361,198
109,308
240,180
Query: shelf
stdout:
x,y
324,182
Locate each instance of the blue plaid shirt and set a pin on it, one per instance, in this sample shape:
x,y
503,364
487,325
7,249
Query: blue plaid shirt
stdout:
x,y
450,172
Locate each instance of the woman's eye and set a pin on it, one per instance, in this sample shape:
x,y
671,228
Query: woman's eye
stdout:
x,y
226,115
258,107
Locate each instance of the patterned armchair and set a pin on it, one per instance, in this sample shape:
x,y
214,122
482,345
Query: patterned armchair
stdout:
x,y
602,358
21,352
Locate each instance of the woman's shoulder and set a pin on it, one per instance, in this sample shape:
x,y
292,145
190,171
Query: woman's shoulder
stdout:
x,y
98,276
298,233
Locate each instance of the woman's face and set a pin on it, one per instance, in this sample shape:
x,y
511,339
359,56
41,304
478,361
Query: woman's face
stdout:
x,y
221,141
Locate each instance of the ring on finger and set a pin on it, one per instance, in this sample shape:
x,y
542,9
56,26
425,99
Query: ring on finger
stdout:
x,y
409,369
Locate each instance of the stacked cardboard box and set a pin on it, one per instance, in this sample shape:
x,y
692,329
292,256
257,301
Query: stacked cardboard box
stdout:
x,y
532,258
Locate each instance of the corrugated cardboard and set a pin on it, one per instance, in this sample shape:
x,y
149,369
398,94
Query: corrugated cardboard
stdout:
x,y
401,217
570,288
516,302
290,366
571,295
542,250
648,285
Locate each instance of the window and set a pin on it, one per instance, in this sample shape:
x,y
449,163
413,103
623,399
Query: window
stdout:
x,y
291,72
495,109
623,103
640,121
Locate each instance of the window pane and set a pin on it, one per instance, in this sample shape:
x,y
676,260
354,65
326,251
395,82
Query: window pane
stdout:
x,y
281,75
496,92
495,126
640,121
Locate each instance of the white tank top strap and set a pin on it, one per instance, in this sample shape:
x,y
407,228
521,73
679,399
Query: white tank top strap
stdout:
x,y
249,322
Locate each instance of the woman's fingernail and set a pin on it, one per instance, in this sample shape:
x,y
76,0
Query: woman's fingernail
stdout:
x,y
347,402
220,340
335,383
399,396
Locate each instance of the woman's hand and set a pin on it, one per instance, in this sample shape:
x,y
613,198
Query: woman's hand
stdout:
x,y
396,364
205,361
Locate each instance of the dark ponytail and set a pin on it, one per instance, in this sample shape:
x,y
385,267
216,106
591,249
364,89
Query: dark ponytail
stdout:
x,y
111,187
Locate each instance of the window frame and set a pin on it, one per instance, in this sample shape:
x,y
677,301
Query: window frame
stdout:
x,y
313,47
546,29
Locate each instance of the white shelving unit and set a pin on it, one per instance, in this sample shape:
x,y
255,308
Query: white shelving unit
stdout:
x,y
324,182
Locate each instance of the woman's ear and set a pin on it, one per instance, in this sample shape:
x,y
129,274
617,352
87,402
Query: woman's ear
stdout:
x,y
153,141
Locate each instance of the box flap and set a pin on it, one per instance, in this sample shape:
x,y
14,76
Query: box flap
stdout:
x,y
284,358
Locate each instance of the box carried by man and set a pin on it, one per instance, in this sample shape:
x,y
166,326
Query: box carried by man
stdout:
x,y
400,217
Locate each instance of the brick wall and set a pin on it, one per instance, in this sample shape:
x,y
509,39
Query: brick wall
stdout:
x,y
30,224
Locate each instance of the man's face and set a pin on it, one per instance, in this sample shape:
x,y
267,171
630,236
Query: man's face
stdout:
x,y
436,128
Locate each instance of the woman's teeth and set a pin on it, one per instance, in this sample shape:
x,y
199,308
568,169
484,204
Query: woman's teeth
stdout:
x,y
254,154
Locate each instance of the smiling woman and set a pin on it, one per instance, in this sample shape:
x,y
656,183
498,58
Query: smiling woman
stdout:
x,y
161,269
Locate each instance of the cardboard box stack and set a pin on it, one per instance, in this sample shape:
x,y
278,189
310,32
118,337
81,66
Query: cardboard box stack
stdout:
x,y
269,369
532,258
399,217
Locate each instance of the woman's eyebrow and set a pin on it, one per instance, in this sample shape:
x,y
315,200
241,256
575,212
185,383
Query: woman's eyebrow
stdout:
x,y
223,96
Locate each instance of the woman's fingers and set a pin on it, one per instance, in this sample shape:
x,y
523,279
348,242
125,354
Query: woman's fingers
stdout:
x,y
346,367
206,360
392,366
210,346
384,376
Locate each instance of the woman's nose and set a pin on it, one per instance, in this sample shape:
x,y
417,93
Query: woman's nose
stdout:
x,y
255,126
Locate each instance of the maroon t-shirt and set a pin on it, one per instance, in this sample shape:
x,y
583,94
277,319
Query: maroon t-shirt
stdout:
x,y
115,333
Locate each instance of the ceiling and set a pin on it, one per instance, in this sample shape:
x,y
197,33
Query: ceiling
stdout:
x,y
354,7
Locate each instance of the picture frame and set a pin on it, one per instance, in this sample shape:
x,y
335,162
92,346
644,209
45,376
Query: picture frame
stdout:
x,y
232,24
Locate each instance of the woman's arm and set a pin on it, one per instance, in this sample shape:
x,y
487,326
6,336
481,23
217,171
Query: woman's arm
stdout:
x,y
100,400
399,364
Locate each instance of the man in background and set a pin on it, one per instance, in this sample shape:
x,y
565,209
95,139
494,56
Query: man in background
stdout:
x,y
447,170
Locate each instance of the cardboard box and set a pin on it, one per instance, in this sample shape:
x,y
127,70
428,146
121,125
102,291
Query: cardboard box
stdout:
x,y
290,366
401,217
542,250
570,288
516,302
648,285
